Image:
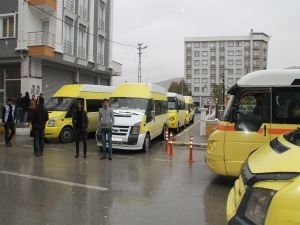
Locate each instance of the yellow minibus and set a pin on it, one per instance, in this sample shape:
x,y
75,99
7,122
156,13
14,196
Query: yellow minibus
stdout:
x,y
176,111
189,110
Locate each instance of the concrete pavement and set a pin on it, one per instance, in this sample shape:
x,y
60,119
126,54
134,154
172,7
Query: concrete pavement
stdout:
x,y
132,189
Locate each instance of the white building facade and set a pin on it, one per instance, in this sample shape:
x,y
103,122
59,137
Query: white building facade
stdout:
x,y
210,61
45,44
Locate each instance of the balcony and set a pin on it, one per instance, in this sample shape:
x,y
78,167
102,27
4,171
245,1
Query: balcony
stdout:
x,y
83,12
68,47
82,52
41,44
69,4
47,5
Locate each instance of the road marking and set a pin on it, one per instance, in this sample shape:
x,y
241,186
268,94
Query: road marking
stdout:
x,y
54,181
181,133
163,160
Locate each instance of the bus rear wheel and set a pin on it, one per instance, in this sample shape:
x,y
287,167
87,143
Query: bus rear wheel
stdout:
x,y
146,145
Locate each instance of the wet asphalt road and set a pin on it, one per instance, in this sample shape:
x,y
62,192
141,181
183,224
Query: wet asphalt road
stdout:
x,y
132,189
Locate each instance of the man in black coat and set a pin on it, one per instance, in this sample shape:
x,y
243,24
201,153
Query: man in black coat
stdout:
x,y
80,124
38,123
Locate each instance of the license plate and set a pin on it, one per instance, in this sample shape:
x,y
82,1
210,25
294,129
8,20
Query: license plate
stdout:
x,y
116,139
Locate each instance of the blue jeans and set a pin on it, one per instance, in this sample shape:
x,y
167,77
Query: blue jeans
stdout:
x,y
106,134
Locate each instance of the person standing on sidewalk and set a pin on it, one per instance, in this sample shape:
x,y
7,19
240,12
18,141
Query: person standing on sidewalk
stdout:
x,y
19,115
8,118
106,121
39,118
25,105
80,124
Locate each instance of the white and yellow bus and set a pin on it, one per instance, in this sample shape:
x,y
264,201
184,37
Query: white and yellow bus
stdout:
x,y
189,110
140,112
62,103
263,105
176,111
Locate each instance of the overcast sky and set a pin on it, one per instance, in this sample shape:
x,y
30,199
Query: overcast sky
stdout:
x,y
163,24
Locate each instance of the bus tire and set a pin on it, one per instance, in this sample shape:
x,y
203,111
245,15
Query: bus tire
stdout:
x,y
146,145
163,133
66,135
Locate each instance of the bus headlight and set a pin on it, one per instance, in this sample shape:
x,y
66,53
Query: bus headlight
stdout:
x,y
172,118
258,205
52,121
136,128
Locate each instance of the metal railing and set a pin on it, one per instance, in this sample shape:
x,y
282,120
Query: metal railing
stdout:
x,y
69,4
100,59
101,24
83,12
82,52
40,38
68,47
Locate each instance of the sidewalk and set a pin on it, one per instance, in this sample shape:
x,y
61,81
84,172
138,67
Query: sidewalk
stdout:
x,y
183,138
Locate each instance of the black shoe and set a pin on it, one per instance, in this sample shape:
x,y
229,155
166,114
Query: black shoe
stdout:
x,y
76,156
84,156
103,157
109,157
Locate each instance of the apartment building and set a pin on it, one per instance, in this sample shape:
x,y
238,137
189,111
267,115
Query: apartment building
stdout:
x,y
221,60
45,44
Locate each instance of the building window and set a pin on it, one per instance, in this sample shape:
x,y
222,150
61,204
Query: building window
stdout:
x,y
188,45
255,62
83,8
68,36
247,62
100,51
196,62
82,42
230,62
230,53
7,26
212,44
204,71
222,53
197,45
247,53
204,89
196,53
230,71
196,71
222,63
204,62
230,80
238,71
204,44
247,43
188,80
256,53
222,72
213,62
256,44
70,5
188,53
222,44
196,89
238,62
204,80
189,71
213,80
205,53
213,53
230,44
188,62
196,80
101,17
212,72
238,44
238,53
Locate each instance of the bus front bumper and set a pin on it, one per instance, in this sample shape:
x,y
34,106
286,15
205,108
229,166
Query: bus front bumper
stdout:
x,y
52,132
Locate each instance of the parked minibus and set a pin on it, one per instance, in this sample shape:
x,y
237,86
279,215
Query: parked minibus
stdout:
x,y
176,111
189,110
140,112
268,189
263,105
63,102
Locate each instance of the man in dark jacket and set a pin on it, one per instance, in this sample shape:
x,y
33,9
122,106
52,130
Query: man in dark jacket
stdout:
x,y
38,123
80,124
8,118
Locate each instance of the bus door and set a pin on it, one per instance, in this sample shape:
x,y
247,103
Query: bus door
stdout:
x,y
250,127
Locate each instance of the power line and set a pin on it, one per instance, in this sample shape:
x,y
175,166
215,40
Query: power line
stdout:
x,y
77,28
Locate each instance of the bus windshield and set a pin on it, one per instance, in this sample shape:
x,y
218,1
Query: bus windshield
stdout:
x,y
60,103
225,116
172,103
128,103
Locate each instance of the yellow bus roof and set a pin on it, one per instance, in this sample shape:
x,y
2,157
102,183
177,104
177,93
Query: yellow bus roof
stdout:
x,y
188,99
76,90
140,90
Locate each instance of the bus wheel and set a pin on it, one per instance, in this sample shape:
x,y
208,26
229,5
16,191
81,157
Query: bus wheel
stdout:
x,y
163,133
66,135
146,146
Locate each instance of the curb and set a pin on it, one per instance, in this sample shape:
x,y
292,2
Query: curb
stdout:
x,y
200,146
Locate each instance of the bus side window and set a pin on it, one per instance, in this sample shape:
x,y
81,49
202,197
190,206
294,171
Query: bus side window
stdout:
x,y
252,110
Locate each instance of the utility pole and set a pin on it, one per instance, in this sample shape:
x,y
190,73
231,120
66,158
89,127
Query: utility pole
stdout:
x,y
140,48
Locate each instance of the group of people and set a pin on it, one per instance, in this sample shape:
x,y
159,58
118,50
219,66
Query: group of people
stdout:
x,y
39,117
25,106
